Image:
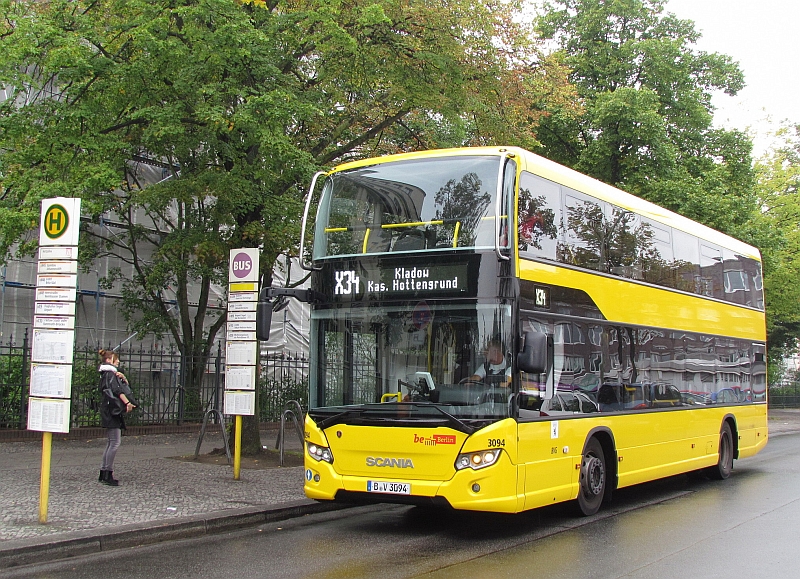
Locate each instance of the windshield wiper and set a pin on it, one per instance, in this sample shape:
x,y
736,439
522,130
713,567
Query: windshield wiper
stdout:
x,y
457,423
338,418
379,413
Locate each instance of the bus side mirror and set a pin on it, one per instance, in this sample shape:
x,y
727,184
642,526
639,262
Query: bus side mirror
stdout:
x,y
274,299
534,355
263,319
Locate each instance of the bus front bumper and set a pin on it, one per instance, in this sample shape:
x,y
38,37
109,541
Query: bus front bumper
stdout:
x,y
493,488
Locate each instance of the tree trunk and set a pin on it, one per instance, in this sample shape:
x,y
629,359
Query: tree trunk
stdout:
x,y
251,437
194,366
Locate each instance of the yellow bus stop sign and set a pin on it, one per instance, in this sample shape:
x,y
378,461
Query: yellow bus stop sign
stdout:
x,y
60,221
56,221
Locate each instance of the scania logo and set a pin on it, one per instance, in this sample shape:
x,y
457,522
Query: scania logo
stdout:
x,y
390,462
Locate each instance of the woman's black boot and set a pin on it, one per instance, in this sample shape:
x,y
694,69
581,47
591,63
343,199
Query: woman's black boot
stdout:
x,y
102,475
109,479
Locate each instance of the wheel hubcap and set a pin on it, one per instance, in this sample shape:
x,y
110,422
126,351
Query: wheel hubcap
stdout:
x,y
593,475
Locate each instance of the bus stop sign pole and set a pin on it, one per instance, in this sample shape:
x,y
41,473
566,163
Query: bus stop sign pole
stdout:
x,y
53,347
241,345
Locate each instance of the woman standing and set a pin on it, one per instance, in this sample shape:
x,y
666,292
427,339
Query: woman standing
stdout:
x,y
116,401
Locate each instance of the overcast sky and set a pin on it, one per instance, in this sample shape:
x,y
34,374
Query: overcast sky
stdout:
x,y
761,35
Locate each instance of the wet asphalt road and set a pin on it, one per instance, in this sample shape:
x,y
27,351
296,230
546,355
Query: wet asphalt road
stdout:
x,y
686,526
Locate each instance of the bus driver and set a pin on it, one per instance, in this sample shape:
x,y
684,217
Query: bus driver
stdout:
x,y
495,368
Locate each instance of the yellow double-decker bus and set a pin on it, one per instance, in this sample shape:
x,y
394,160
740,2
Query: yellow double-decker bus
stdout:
x,y
493,331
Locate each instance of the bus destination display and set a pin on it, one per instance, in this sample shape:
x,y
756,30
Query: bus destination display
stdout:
x,y
400,282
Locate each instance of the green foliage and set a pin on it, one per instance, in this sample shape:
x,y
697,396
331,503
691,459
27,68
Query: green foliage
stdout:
x,y
275,394
11,369
85,394
646,122
778,224
13,385
236,105
646,127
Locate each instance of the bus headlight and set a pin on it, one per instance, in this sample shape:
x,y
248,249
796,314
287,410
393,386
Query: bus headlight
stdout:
x,y
318,452
477,460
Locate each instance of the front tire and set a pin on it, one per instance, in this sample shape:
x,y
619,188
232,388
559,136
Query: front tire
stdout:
x,y
593,479
724,466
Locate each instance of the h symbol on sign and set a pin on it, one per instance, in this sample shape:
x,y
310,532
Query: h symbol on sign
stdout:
x,y
54,220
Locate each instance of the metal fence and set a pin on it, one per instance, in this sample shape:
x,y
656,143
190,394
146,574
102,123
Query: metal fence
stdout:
x,y
170,388
787,396
13,383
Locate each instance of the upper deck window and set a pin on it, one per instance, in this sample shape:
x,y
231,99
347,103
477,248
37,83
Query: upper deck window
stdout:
x,y
556,223
415,205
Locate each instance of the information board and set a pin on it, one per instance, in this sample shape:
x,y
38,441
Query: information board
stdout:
x,y
48,414
51,380
240,378
242,403
53,341
55,346
241,347
240,353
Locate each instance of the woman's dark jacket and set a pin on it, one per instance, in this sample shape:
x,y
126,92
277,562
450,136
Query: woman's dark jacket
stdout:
x,y
110,381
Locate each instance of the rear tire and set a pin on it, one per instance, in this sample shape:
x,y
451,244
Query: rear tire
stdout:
x,y
724,466
593,479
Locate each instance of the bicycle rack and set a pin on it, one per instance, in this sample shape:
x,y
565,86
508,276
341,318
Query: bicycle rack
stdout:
x,y
224,433
289,410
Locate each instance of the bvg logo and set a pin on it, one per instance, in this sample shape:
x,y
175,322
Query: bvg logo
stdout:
x,y
347,283
56,221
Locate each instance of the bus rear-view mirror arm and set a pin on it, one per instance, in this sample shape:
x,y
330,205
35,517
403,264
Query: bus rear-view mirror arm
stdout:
x,y
274,299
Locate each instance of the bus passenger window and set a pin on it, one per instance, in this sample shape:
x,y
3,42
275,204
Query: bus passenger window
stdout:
x,y
656,255
711,271
537,219
741,279
586,233
686,266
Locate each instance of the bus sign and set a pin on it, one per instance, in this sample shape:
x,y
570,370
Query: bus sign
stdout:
x,y
243,265
56,221
59,224
382,282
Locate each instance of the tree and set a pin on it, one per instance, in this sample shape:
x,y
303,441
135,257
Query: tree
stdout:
x,y
646,122
778,174
236,104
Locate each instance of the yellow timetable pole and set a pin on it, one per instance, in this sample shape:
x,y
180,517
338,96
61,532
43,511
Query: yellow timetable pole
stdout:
x,y
237,448
44,481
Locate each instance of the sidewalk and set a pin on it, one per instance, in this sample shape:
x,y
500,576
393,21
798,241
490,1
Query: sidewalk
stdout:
x,y
159,498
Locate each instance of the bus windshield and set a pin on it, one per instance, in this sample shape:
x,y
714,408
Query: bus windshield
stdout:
x,y
414,205
455,356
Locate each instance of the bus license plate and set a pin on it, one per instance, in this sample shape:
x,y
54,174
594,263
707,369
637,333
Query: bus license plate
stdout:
x,y
392,488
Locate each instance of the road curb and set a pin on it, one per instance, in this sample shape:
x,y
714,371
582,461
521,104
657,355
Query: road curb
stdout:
x,y
20,552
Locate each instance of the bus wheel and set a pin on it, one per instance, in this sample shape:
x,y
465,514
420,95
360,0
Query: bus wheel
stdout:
x,y
593,479
724,466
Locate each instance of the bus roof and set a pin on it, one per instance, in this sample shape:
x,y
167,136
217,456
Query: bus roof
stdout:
x,y
562,175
